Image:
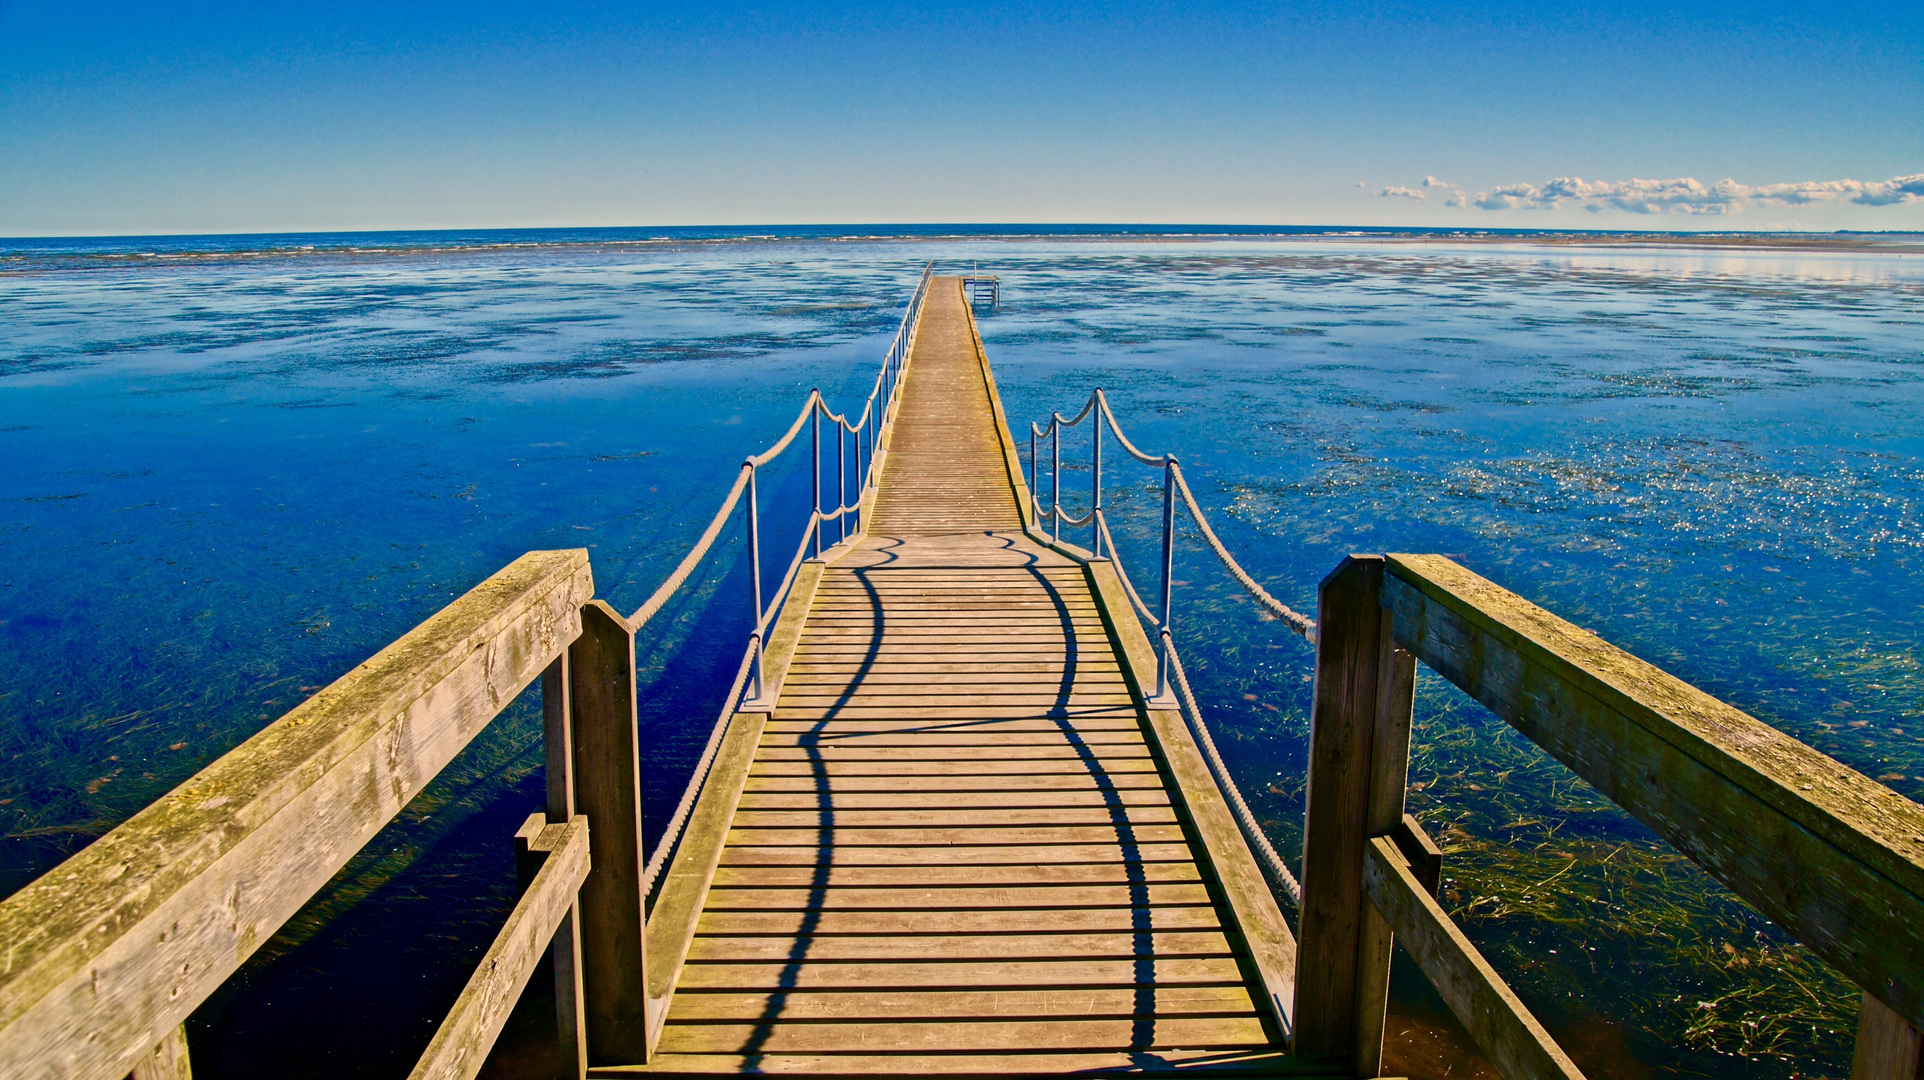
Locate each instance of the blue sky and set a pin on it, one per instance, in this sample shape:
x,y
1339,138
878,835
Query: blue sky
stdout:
x,y
163,118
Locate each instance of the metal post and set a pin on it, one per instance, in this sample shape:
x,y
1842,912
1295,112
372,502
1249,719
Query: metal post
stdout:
x,y
841,478
1168,569
1055,483
1035,479
1095,516
755,567
815,425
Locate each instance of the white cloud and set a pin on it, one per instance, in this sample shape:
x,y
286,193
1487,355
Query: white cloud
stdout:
x,y
1400,193
1431,181
1687,195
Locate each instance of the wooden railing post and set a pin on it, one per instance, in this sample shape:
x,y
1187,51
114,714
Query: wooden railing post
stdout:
x,y
565,951
168,1060
607,788
1358,762
1888,1047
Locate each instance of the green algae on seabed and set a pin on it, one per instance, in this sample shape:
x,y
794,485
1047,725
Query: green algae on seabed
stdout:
x,y
1569,898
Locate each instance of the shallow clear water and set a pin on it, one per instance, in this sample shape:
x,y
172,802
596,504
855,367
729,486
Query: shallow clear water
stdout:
x,y
233,472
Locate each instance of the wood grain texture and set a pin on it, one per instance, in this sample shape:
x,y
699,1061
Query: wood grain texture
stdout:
x,y
1212,1063
1512,1038
167,1061
1888,1047
108,952
1352,642
460,1045
1833,857
607,763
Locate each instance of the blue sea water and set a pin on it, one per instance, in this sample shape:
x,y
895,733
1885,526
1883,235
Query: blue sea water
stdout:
x,y
237,466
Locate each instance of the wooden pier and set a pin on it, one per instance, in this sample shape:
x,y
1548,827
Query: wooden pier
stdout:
x,y
961,834
960,817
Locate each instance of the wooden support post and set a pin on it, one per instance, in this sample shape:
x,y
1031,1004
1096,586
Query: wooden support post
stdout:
x,y
1348,793
1888,1047
168,1060
565,950
607,776
1389,776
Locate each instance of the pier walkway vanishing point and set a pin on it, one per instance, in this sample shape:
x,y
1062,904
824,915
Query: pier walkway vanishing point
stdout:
x,y
962,836
958,815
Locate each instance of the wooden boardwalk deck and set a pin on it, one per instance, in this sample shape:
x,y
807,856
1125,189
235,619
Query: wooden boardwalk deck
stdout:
x,y
964,845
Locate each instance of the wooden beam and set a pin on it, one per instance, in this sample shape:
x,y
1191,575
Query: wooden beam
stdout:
x,y
1011,460
1833,857
1225,855
607,776
1888,1047
460,1046
1389,776
108,952
1352,649
1515,1043
684,888
169,1060
570,1010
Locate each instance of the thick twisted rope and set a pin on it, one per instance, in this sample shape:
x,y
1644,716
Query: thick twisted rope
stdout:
x,y
1244,816
671,836
1304,626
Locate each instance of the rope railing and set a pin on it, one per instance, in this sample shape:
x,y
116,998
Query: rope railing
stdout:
x,y
1172,682
750,691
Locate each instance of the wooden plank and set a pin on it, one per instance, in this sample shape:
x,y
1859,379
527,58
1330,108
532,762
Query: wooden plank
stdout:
x,y
1072,715
1823,851
952,800
570,1005
1005,1035
855,677
981,855
978,834
123,940
684,887
1389,774
1112,871
956,898
955,819
167,1061
815,975
460,1045
1108,722
1213,1063
1126,946
607,759
1352,642
1888,1047
899,1005
993,921
1062,759
1503,1028
1092,735
1270,947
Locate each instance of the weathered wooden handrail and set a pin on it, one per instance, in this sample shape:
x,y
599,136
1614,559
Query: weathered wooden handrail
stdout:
x,y
460,1047
1833,857
109,952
